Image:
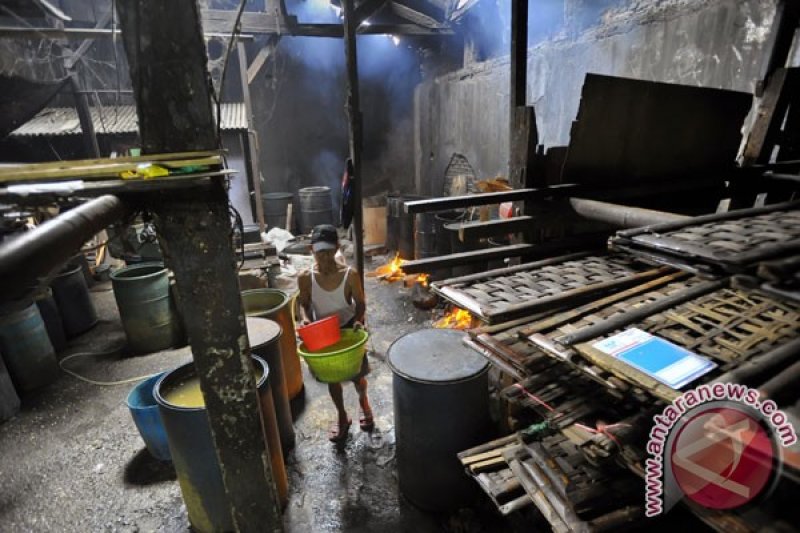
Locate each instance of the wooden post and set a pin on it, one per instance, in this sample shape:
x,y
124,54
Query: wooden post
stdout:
x,y
252,137
354,115
85,117
167,58
523,136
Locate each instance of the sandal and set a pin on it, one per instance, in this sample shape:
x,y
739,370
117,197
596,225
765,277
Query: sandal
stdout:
x,y
337,433
366,422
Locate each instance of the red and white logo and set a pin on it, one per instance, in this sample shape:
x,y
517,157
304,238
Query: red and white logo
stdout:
x,y
722,458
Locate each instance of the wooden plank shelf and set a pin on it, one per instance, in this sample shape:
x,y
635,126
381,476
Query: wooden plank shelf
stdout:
x,y
472,231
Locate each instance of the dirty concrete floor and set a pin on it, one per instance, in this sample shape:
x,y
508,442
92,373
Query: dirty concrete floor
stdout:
x,y
72,459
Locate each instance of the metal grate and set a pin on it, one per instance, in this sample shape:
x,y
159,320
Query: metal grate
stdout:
x,y
502,294
732,242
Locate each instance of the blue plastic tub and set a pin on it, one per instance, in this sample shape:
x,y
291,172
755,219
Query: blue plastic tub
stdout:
x,y
144,411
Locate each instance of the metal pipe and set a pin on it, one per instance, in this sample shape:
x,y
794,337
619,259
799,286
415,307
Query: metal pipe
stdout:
x,y
37,253
764,364
622,216
782,388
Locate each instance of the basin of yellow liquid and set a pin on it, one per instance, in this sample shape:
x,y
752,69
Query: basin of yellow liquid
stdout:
x,y
187,394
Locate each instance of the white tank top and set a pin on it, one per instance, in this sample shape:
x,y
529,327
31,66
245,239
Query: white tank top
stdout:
x,y
327,303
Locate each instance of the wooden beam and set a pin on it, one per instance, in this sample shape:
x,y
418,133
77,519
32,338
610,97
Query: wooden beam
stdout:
x,y
13,32
336,30
252,137
430,264
168,67
274,27
222,21
763,136
85,117
353,106
367,9
261,58
489,198
416,17
471,231
70,62
523,135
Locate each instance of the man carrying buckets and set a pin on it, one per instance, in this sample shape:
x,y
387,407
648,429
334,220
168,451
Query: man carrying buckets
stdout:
x,y
331,288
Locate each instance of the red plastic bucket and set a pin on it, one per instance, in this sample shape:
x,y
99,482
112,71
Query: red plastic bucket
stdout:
x,y
321,334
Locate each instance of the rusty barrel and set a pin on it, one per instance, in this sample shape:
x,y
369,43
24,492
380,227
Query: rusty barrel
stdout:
x,y
441,407
192,448
278,305
265,336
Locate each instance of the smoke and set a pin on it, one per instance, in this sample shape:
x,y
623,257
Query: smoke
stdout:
x,y
305,131
488,23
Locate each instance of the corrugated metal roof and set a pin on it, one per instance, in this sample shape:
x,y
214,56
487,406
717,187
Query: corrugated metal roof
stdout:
x,y
110,120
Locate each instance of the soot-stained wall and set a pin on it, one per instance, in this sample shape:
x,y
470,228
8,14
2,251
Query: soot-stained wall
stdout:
x,y
710,43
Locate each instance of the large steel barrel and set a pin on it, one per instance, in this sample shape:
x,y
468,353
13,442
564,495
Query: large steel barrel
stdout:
x,y
74,303
9,401
275,206
265,336
146,307
278,305
316,207
26,347
441,407
183,412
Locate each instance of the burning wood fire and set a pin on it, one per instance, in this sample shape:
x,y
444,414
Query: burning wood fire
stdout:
x,y
456,318
390,272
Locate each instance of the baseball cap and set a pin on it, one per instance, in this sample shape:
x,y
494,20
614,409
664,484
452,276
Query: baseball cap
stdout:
x,y
324,237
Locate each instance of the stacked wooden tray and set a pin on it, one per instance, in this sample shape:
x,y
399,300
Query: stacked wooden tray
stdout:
x,y
552,474
732,242
508,293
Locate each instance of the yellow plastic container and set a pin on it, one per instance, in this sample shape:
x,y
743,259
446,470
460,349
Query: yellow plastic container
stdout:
x,y
340,361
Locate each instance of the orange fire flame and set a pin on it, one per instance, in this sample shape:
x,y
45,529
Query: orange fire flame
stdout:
x,y
422,279
455,319
391,271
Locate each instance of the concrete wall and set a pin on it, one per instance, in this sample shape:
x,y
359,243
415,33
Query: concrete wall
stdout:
x,y
710,43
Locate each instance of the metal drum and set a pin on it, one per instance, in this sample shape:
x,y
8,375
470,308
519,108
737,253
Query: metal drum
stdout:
x,y
52,318
146,307
26,347
193,455
275,208
441,407
74,303
278,305
265,336
316,207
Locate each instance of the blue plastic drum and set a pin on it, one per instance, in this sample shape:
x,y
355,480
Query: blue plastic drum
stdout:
x,y
144,411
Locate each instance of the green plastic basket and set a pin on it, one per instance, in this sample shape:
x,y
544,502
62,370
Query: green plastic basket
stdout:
x,y
338,362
